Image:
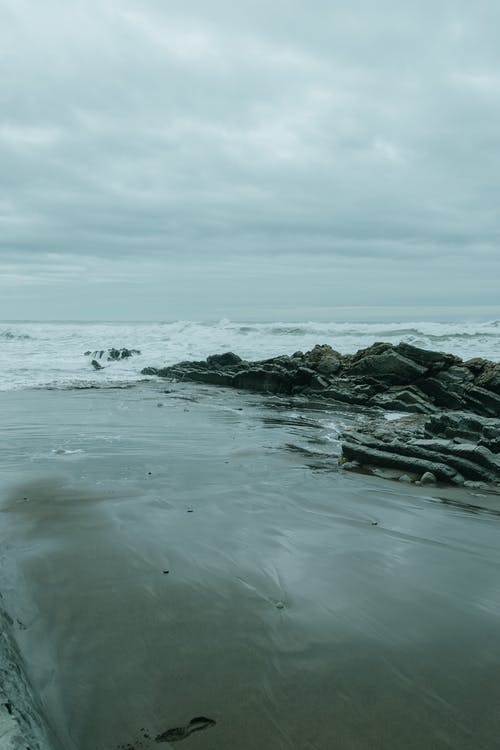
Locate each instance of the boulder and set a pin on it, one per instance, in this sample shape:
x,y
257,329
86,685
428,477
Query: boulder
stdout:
x,y
228,359
490,378
432,361
324,359
389,366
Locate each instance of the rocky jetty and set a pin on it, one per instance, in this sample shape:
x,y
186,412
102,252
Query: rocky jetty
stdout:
x,y
453,437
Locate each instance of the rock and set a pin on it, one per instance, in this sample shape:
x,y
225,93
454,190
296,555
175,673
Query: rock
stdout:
x,y
406,479
350,465
464,426
112,354
428,478
432,361
409,399
441,395
224,360
476,485
95,364
490,378
389,366
482,401
324,359
455,376
454,433
374,456
343,390
273,380
381,447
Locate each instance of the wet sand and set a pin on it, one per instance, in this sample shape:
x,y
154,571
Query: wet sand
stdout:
x,y
204,559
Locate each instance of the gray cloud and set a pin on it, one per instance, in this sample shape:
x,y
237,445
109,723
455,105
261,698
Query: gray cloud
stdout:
x,y
354,146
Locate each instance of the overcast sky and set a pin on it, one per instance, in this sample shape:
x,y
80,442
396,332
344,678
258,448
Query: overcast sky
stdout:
x,y
247,159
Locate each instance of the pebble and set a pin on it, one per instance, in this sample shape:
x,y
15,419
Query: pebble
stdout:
x,y
428,478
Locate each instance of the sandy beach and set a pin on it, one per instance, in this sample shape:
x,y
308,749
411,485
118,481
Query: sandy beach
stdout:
x,y
196,554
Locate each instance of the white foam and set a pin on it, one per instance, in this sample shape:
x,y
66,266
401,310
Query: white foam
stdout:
x,y
52,354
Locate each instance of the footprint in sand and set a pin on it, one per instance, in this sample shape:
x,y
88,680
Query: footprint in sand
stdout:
x,y
181,733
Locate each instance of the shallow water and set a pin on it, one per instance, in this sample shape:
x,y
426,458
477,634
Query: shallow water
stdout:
x,y
303,607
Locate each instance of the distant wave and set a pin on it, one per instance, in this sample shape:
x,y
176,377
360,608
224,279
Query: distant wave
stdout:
x,y
9,336
463,335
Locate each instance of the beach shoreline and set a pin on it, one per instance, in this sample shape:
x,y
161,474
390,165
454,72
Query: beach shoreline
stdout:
x,y
175,551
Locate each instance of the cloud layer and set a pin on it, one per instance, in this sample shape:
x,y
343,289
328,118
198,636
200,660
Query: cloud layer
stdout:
x,y
292,153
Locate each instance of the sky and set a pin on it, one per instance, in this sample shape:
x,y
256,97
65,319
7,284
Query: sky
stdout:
x,y
249,160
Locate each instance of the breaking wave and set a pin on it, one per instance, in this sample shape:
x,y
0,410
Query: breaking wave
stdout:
x,y
52,355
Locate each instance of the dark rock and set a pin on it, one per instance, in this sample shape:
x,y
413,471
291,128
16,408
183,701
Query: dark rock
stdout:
x,y
409,399
389,366
272,380
452,445
224,360
455,376
477,365
381,445
440,394
490,378
482,401
324,359
466,427
370,456
95,364
112,354
432,361
466,457
345,391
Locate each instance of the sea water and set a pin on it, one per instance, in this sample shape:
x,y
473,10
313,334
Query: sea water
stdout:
x,y
43,354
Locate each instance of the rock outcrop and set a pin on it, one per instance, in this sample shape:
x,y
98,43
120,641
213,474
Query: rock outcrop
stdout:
x,y
111,355
456,439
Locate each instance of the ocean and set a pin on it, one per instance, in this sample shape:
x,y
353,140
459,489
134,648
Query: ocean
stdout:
x,y
53,354
180,561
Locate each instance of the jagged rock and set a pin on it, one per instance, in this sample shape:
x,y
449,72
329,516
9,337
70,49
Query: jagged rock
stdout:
x,y
276,380
111,354
224,360
489,377
389,366
324,359
370,456
381,446
482,401
455,376
461,425
343,390
440,394
410,399
432,361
